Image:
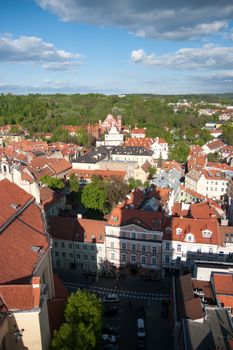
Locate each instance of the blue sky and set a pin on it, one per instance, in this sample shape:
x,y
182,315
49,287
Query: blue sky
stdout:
x,y
117,46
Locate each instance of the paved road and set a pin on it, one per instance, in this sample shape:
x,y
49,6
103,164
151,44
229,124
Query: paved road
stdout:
x,y
122,293
147,294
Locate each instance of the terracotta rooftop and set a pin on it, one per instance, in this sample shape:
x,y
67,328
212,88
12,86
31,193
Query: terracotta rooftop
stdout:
x,y
23,241
83,230
58,165
194,226
21,297
87,174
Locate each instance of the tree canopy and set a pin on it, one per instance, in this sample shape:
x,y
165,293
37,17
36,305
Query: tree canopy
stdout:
x,y
47,113
52,182
83,323
180,152
103,195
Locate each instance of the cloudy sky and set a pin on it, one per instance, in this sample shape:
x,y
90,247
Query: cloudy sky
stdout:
x,y
116,46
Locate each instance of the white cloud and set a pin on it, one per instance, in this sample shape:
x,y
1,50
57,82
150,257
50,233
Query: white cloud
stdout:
x,y
166,19
207,57
34,49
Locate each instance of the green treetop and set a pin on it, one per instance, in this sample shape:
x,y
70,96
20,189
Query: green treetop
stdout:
x,y
83,323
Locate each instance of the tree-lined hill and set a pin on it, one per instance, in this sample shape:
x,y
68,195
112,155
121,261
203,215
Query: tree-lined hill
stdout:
x,y
44,113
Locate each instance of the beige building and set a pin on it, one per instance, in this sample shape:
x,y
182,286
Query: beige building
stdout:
x,y
79,244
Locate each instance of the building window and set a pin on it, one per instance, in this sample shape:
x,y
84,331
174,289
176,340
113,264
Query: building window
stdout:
x,y
153,260
112,244
133,258
112,256
143,248
210,250
133,247
123,257
133,235
123,245
221,254
143,260
62,244
71,255
63,255
179,247
77,246
100,237
178,231
167,259
123,234
55,244
70,246
78,256
189,238
153,249
56,253
167,246
206,234
85,257
199,250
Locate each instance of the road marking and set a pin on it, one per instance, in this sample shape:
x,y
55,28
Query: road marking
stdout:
x,y
122,293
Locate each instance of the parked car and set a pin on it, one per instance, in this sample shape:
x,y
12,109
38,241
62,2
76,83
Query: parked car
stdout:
x,y
111,297
108,338
110,309
141,332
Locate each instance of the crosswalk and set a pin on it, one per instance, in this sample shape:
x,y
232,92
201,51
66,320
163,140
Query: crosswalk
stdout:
x,y
122,294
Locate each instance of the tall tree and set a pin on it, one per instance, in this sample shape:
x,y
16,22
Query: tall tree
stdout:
x,y
83,316
94,195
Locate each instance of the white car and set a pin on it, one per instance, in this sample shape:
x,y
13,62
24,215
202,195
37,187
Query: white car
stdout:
x,y
110,298
141,333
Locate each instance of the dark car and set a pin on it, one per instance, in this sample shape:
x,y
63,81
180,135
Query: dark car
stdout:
x,y
110,310
141,313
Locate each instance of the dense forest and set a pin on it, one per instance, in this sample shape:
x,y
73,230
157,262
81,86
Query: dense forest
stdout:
x,y
45,113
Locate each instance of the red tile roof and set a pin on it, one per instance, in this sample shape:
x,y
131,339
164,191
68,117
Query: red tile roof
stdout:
x,y
223,283
23,241
56,306
57,165
215,145
194,226
147,219
140,142
12,199
87,174
83,230
137,131
21,297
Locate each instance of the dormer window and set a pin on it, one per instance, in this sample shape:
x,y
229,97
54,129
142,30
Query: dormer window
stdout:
x,y
168,229
189,238
206,234
178,231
